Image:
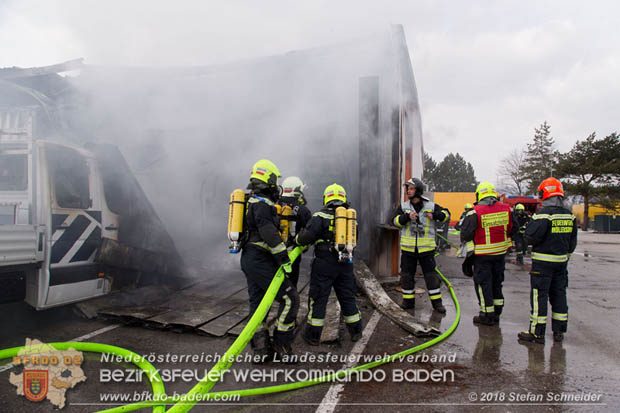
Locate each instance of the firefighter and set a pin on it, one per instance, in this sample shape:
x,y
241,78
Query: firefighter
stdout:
x,y
488,226
553,235
416,219
328,270
293,196
521,219
262,255
468,207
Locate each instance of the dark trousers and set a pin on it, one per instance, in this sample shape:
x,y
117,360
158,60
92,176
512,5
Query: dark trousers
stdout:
x,y
408,263
488,279
326,273
548,282
520,245
259,267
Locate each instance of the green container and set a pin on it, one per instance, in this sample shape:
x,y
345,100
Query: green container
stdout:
x,y
607,223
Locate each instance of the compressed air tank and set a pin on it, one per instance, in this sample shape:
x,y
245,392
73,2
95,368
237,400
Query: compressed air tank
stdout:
x,y
236,208
285,223
351,231
340,229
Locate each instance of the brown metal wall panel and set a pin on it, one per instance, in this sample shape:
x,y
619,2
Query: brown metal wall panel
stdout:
x,y
368,160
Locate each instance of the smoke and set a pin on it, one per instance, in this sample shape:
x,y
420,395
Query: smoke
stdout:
x,y
191,134
488,72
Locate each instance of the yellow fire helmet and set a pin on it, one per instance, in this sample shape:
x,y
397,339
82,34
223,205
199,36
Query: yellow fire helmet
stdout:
x,y
519,207
468,206
266,171
484,190
334,192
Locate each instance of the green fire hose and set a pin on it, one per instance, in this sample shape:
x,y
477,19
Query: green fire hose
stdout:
x,y
157,385
200,392
209,381
448,241
205,385
182,403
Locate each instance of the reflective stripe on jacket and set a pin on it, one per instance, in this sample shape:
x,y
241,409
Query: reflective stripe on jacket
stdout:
x,y
553,233
417,234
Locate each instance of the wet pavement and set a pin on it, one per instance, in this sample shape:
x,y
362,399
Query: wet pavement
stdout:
x,y
477,368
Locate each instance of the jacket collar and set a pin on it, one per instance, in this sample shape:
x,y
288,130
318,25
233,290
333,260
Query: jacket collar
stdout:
x,y
556,201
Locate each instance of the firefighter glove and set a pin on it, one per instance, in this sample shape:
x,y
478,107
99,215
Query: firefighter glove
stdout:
x,y
282,257
404,218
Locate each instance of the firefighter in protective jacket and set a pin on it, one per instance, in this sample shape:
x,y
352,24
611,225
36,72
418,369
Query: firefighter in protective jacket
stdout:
x,y
521,219
466,208
488,227
553,235
328,270
262,255
293,196
416,219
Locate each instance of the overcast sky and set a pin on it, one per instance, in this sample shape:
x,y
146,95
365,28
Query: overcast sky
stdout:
x,y
487,72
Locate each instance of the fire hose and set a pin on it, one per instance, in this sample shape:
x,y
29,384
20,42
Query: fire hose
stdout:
x,y
448,241
201,391
139,361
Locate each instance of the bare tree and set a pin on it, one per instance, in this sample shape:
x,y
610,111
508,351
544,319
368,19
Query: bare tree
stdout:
x,y
512,170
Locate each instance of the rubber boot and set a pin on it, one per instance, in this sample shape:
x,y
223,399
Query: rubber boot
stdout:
x,y
310,336
558,336
438,306
284,353
355,330
407,303
532,338
261,346
487,319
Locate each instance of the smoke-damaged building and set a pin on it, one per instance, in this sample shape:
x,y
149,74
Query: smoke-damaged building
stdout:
x,y
345,113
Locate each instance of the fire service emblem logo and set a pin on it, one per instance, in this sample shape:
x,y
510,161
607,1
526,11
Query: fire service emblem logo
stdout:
x,y
46,373
35,384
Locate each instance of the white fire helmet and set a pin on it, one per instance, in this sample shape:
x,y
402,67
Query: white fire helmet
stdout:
x,y
293,187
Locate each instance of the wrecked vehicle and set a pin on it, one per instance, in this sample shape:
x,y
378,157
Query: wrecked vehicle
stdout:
x,y
74,223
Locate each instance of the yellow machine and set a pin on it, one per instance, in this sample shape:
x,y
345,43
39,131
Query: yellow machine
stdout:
x,y
285,222
236,209
351,232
